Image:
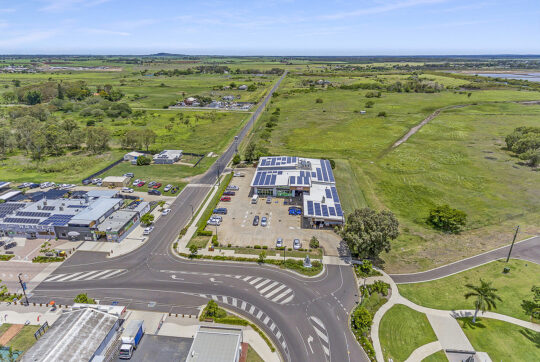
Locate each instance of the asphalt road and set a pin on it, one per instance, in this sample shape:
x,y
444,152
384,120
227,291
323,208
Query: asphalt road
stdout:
x,y
528,249
306,318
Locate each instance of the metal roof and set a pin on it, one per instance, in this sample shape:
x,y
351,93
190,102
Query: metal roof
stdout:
x,y
214,344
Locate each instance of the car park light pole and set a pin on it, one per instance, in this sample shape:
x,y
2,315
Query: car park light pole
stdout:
x,y
511,246
23,286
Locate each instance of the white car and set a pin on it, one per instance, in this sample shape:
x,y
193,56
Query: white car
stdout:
x,y
167,188
136,182
166,212
264,221
148,230
296,244
233,188
96,181
214,222
127,189
239,174
279,243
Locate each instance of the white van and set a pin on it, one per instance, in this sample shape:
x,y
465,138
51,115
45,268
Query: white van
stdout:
x,y
254,199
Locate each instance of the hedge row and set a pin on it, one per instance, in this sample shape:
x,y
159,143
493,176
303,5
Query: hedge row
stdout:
x,y
211,206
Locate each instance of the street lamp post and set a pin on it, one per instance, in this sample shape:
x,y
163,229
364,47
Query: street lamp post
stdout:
x,y
23,286
511,246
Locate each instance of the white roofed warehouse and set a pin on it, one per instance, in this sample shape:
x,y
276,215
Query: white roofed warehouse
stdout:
x,y
311,179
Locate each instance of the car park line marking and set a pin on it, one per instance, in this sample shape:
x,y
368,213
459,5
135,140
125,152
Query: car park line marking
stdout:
x,y
268,287
225,300
278,334
275,291
273,326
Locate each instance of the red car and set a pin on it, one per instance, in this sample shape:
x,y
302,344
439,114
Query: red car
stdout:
x,y
157,186
141,184
225,198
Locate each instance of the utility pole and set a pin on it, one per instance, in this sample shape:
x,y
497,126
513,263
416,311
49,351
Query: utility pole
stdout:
x,y
23,286
511,246
218,174
191,210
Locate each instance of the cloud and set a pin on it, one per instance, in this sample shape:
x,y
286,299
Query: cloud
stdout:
x,y
27,38
106,32
62,5
380,9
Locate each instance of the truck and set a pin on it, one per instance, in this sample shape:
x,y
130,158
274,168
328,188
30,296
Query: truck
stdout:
x,y
131,337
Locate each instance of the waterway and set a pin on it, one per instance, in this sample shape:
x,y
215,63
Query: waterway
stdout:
x,y
531,77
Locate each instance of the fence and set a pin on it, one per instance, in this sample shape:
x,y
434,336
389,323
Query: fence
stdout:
x,y
41,330
197,155
104,169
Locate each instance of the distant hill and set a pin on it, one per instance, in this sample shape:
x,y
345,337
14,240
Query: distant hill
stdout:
x,y
166,55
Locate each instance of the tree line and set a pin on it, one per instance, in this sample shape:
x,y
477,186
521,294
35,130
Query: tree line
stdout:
x,y
525,143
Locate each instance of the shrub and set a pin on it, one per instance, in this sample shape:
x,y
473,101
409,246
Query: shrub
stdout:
x,y
314,243
143,160
236,159
319,100
193,250
262,257
229,245
381,114
83,298
447,219
361,319
256,246
265,247
215,240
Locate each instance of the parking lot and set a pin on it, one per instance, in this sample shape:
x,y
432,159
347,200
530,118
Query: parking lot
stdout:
x,y
237,226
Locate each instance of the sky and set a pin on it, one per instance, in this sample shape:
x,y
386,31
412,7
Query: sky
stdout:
x,y
270,27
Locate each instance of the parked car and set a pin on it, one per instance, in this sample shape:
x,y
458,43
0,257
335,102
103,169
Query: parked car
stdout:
x,y
148,230
293,210
279,243
297,244
213,222
167,188
96,181
238,174
129,174
127,189
85,182
220,210
141,184
136,182
99,183
166,212
256,220
229,193
157,185
216,217
154,192
268,200
225,198
44,185
233,188
10,245
152,183
2,243
34,185
264,221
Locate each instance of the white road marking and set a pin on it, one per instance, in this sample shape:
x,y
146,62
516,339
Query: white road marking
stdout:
x,y
268,287
268,295
282,295
111,274
254,281
49,279
98,274
69,276
287,300
262,283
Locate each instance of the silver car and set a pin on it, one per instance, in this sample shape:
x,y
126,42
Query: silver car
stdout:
x,y
279,243
264,221
296,244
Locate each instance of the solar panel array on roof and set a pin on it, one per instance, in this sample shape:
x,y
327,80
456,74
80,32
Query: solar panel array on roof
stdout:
x,y
328,193
339,212
334,194
329,171
33,213
324,210
332,211
57,220
21,220
277,161
317,209
48,208
7,208
77,206
50,195
265,178
310,207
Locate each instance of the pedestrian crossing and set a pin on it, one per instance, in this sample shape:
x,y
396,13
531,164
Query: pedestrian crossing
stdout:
x,y
270,289
321,332
86,275
251,309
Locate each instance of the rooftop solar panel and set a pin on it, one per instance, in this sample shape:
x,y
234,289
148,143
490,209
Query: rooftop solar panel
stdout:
x,y
323,169
288,159
325,210
319,174
339,212
313,174
306,180
310,208
294,159
48,208
335,194
267,180
328,193
291,180
33,214
19,220
257,177
280,173
330,172
332,211
76,206
273,180
317,209
298,180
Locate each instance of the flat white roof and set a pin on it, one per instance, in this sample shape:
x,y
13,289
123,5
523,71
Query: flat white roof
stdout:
x,y
214,344
115,179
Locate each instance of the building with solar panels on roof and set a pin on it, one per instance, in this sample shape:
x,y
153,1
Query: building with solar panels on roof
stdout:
x,y
311,179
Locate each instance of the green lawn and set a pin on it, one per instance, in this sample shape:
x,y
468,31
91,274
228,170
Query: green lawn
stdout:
x,y
4,327
447,293
253,356
457,159
501,340
439,356
403,330
24,339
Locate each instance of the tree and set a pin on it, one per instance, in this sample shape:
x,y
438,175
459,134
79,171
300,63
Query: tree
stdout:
x,y
60,92
262,257
251,88
249,153
486,297
369,104
236,159
193,250
361,319
143,160
83,298
97,139
147,219
532,307
368,233
32,97
148,137
314,243
318,100
448,219
16,83
212,310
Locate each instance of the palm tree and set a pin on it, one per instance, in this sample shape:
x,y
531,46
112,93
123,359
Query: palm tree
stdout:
x,y
485,297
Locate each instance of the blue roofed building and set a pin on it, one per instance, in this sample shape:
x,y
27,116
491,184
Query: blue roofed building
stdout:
x,y
311,179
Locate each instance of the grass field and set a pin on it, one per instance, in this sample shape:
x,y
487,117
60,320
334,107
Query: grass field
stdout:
x,y
456,159
253,356
501,340
439,356
24,339
447,293
403,330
